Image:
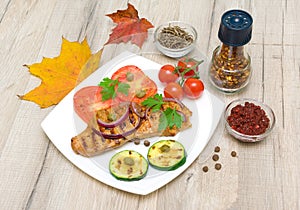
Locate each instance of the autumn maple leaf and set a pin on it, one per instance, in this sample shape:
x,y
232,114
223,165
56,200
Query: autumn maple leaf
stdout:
x,y
129,27
61,74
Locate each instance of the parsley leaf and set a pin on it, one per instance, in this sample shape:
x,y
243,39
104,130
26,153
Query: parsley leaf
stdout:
x,y
154,102
163,122
109,88
170,118
123,88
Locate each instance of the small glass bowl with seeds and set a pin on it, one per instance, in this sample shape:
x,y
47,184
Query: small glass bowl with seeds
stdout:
x,y
175,38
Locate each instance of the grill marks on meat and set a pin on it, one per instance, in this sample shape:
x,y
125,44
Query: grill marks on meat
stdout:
x,y
88,143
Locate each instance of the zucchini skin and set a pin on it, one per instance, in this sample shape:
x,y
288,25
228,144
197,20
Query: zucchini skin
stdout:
x,y
125,177
128,179
172,167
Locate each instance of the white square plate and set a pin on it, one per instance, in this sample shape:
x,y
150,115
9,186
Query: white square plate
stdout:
x,y
63,123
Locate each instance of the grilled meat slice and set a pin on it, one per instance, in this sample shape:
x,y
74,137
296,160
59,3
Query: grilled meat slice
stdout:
x,y
96,139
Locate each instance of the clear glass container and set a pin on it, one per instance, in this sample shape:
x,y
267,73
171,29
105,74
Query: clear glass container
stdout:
x,y
230,67
244,137
180,51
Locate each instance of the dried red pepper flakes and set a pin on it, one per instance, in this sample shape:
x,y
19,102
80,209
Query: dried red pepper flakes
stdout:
x,y
249,119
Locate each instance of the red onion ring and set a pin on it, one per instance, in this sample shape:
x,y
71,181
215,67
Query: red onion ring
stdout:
x,y
117,136
170,100
125,116
183,116
137,110
114,123
146,112
174,100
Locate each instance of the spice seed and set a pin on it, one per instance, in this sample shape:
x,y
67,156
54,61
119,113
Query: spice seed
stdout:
x,y
233,153
205,169
137,141
146,143
218,166
215,157
174,37
217,149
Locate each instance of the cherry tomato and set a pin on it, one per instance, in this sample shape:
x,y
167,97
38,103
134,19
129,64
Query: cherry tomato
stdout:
x,y
89,99
167,74
173,90
185,63
193,88
141,86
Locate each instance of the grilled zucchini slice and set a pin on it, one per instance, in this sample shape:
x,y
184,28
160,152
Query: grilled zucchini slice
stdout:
x,y
166,155
128,165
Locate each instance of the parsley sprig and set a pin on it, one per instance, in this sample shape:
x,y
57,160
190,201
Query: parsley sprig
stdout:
x,y
110,88
154,102
169,118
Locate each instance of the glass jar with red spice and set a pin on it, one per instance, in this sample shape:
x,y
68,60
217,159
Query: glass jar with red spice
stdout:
x,y
230,67
249,120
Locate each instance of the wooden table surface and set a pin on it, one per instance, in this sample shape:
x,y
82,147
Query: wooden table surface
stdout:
x,y
265,175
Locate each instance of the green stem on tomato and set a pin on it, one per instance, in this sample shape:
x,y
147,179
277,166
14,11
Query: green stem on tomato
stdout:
x,y
196,74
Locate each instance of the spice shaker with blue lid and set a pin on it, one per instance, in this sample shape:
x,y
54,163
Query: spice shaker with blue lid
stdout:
x,y
230,67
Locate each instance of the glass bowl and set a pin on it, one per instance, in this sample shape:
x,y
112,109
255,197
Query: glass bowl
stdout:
x,y
174,46
241,120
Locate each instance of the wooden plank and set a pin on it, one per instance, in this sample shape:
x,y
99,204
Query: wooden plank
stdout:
x,y
23,145
35,175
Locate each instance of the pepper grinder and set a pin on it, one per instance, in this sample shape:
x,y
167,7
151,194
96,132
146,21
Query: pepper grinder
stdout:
x,y
230,67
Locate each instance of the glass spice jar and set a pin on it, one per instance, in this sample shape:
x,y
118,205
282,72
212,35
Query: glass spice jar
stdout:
x,y
230,67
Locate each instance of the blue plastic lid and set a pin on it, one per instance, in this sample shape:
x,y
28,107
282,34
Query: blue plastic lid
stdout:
x,y
235,28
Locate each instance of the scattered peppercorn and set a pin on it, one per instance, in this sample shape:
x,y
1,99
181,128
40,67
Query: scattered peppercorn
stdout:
x,y
249,119
233,153
218,166
137,141
217,149
205,169
215,157
146,143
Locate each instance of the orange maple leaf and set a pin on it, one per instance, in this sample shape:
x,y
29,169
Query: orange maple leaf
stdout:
x,y
129,27
61,74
